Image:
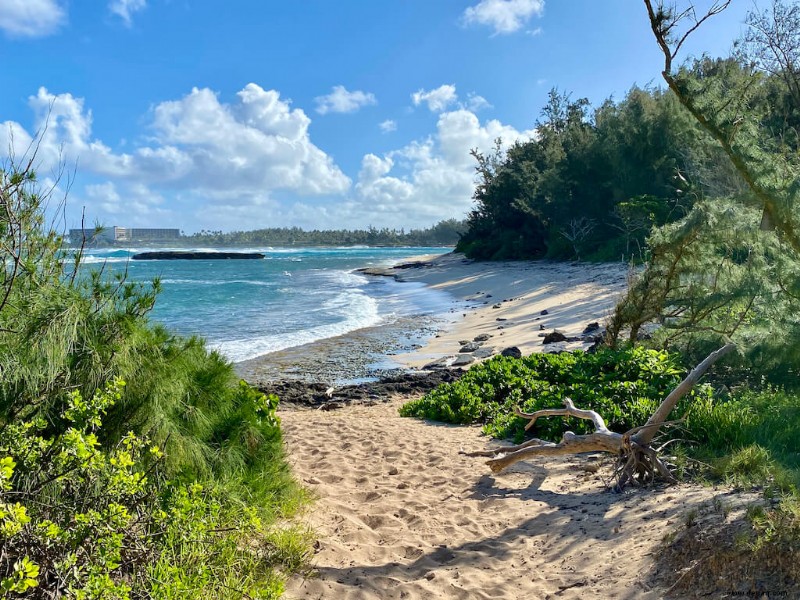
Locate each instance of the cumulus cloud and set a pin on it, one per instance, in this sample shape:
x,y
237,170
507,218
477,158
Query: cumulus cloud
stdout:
x,y
388,126
432,178
31,18
249,162
136,205
198,147
126,8
475,102
342,101
445,96
504,16
438,99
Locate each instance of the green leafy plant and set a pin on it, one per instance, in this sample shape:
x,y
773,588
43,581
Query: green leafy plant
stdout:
x,y
625,386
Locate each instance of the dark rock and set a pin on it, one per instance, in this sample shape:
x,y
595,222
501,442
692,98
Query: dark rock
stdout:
x,y
313,394
436,364
181,255
541,327
483,352
463,360
544,312
513,352
500,319
378,272
596,345
496,306
483,337
553,337
591,327
469,347
412,265
462,342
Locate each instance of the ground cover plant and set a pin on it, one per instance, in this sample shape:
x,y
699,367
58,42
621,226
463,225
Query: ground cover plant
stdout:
x,y
625,386
133,463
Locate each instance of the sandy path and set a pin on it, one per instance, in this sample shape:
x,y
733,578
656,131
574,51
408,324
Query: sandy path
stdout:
x,y
401,515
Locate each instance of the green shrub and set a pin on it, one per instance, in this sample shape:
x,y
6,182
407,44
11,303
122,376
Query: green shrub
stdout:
x,y
750,437
90,522
86,508
624,386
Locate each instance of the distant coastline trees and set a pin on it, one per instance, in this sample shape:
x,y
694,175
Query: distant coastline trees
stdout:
x,y
444,233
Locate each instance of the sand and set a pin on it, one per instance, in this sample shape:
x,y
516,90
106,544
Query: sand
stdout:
x,y
506,300
401,514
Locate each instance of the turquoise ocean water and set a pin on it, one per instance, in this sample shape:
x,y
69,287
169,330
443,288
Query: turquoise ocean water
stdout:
x,y
249,308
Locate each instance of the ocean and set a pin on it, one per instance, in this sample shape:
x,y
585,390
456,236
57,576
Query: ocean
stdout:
x,y
296,296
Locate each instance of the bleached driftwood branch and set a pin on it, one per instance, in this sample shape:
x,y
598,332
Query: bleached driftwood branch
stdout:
x,y
638,462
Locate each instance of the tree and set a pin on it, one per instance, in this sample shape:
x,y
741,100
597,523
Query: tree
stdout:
x,y
725,104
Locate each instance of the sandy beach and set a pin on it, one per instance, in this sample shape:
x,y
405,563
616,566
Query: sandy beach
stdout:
x,y
399,513
515,303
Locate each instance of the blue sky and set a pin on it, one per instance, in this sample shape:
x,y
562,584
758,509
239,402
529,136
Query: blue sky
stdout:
x,y
316,113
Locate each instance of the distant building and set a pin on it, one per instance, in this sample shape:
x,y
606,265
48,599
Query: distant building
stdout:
x,y
138,234
111,235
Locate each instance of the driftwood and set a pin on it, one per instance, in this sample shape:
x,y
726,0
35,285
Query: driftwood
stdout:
x,y
638,463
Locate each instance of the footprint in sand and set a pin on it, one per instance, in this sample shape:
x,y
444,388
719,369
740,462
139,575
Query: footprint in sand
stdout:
x,y
377,521
331,478
368,496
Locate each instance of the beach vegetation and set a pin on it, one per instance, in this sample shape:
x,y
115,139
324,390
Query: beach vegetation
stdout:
x,y
625,386
133,463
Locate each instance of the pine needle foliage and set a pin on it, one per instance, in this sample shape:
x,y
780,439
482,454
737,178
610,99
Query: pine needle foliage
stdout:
x,y
201,516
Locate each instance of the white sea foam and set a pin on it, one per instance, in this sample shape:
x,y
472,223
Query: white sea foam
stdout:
x,y
361,311
95,260
217,282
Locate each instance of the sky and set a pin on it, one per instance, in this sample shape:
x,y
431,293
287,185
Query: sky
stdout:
x,y
319,114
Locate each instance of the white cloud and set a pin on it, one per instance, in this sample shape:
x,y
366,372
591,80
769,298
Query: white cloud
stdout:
x,y
429,179
342,101
199,147
504,16
250,163
31,18
388,126
136,205
445,96
438,99
126,8
476,102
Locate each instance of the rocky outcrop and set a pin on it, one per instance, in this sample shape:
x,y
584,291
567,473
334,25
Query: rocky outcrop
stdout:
x,y
554,337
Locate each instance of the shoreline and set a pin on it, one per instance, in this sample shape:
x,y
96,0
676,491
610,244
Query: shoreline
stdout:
x,y
513,304
501,304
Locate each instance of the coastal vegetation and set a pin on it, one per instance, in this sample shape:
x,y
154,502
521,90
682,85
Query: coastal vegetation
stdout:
x,y
133,463
444,233
699,184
